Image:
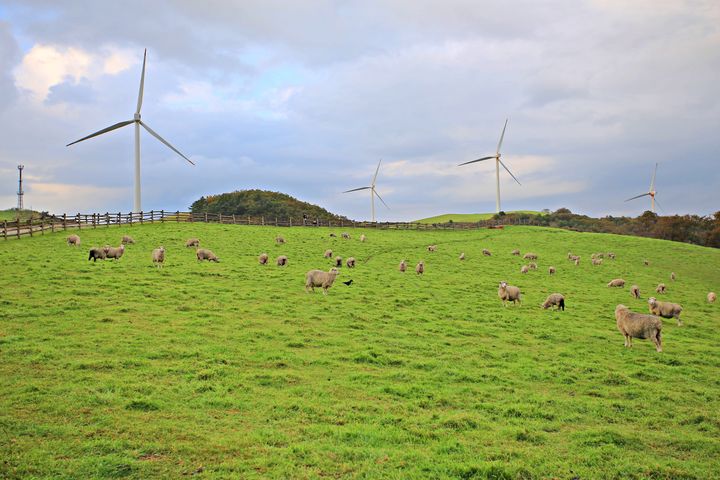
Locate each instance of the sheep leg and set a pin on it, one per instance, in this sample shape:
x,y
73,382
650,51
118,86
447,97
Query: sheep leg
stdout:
x,y
658,342
680,324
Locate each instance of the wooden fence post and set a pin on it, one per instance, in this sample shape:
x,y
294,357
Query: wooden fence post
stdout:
x,y
290,221
77,220
248,220
177,216
162,216
64,221
5,229
141,217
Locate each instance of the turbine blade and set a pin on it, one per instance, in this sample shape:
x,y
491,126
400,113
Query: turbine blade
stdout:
x,y
637,196
383,201
652,182
478,160
152,132
142,85
376,172
501,138
104,130
356,189
508,170
658,205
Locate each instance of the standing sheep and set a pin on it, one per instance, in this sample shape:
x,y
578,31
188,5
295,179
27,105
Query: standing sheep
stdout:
x,y
432,248
597,261
420,268
328,254
672,276
508,293
338,261
711,297
462,256
638,325
660,288
127,239
555,300
532,266
363,238
346,236
515,252
263,259
635,291
205,254
318,278
281,261
158,256
551,270
665,309
350,262
611,255
192,242
524,269
530,256
279,240
403,266
486,252
115,252
646,262
618,282
73,240
97,253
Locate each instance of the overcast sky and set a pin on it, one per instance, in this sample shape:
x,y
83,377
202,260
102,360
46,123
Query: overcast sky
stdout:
x,y
306,97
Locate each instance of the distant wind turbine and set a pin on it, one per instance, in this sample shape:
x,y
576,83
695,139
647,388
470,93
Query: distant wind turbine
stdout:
x,y
498,162
136,120
373,192
651,192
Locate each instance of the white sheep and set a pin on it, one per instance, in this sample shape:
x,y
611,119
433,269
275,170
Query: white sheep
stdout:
x,y
192,242
350,262
635,291
127,239
420,268
328,254
515,252
263,259
665,309
597,261
318,278
660,288
711,297
617,282
532,266
346,236
281,261
158,256
363,238
462,256
432,248
115,252
530,256
611,255
524,269
205,254
672,276
486,252
73,240
403,266
551,270
638,325
555,300
508,293
646,262
279,239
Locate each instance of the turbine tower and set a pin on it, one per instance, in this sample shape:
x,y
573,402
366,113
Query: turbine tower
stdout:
x,y
651,192
498,162
136,120
20,190
373,192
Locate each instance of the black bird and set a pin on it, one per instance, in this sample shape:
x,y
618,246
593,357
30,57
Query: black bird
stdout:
x,y
348,282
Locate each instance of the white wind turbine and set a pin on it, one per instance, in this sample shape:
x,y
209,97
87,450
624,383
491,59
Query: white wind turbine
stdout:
x,y
498,162
373,192
136,120
651,192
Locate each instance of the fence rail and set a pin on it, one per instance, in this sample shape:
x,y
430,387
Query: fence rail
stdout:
x,y
80,221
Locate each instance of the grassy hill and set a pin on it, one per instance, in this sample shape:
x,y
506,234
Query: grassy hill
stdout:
x,y
11,214
230,370
466,217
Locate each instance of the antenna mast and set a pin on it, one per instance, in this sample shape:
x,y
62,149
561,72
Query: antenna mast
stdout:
x,y
20,190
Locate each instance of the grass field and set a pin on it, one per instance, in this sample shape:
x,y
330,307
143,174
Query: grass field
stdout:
x,y
466,217
11,214
230,370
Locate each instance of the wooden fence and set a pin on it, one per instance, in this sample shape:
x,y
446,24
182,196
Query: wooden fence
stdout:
x,y
80,221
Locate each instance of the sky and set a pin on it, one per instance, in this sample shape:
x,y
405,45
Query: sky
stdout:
x,y
305,97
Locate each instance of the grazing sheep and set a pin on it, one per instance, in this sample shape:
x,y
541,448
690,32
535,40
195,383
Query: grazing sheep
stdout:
x,y
638,325
192,242
593,256
711,297
555,300
486,252
127,239
346,235
672,276
403,266
350,262
73,240
205,254
279,240
665,309
551,270
318,278
611,255
597,261
332,235
618,282
97,253
530,256
573,258
635,291
420,268
281,261
570,256
508,293
432,248
363,238
338,261
115,252
646,262
158,256
532,266
328,254
524,269
263,259
515,252
462,256
660,288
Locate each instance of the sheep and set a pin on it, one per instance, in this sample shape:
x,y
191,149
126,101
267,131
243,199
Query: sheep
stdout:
x,y
338,261
638,325
420,268
532,266
263,259
635,291
73,240
530,256
570,255
346,235
97,253
363,238
432,248
672,276
660,288
127,239
524,269
350,262
551,270
403,266
646,262
597,261
279,239
281,261
573,258
577,261
205,254
711,297
115,252
515,252
192,242
328,254
332,235
462,256
508,293
618,282
665,309
486,252
158,256
611,255
555,300
318,278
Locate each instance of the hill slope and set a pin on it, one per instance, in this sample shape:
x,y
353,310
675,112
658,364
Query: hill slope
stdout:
x,y
467,217
119,369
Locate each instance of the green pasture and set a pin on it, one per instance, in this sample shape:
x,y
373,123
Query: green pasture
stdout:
x,y
117,369
467,217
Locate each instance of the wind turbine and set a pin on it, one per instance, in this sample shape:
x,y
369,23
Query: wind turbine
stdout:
x,y
373,192
498,162
136,120
651,192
